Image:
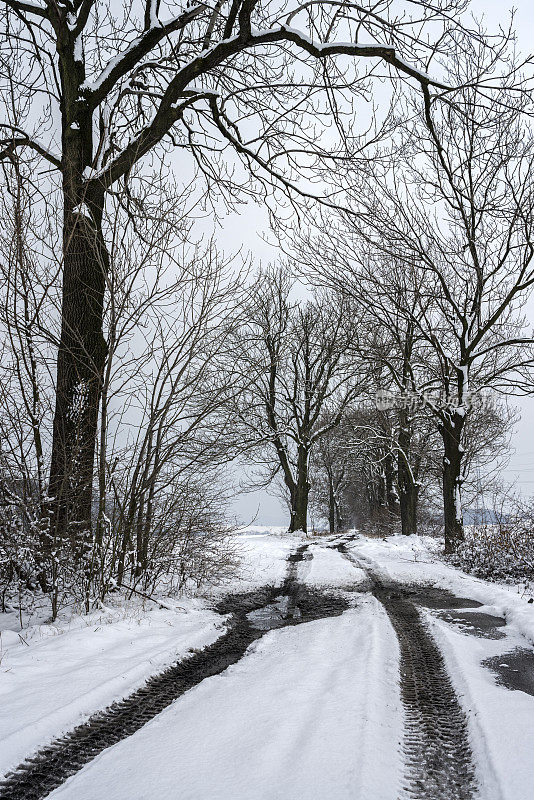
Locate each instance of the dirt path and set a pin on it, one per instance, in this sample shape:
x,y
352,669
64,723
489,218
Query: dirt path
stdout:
x,y
438,758
252,615
438,762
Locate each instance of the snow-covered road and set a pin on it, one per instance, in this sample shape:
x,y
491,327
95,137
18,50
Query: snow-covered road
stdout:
x,y
314,710
287,721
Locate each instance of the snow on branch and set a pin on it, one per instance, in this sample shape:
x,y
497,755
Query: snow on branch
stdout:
x,y
387,53
208,59
95,91
26,8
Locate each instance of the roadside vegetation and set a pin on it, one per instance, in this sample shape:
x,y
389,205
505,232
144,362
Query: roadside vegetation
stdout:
x,y
367,376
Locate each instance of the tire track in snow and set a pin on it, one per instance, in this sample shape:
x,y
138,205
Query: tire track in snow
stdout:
x,y
438,757
39,775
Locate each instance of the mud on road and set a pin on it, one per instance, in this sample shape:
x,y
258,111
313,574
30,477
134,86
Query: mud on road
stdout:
x,y
438,759
252,615
439,763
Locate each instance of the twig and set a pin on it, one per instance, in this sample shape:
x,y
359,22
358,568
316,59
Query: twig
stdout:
x,y
160,603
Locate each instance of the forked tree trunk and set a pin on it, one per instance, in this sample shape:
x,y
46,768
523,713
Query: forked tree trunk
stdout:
x,y
334,511
80,366
452,482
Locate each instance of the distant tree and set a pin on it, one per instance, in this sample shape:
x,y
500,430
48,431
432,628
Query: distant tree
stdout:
x,y
453,214
393,344
293,362
329,476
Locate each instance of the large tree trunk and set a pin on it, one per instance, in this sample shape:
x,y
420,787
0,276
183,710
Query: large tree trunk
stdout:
x,y
300,494
299,511
331,504
452,482
339,518
375,495
82,349
408,489
409,495
392,499
80,366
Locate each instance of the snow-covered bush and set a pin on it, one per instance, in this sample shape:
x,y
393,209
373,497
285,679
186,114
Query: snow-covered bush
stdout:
x,y
502,550
190,545
17,556
21,563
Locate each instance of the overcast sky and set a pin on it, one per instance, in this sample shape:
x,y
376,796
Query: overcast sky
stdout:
x,y
268,510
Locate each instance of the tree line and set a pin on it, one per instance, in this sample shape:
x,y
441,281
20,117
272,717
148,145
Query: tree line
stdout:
x,y
138,360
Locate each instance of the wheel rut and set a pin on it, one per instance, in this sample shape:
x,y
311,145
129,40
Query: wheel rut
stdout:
x,y
288,604
438,758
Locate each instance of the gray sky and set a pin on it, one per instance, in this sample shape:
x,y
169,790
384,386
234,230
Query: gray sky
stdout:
x,y
267,509
521,467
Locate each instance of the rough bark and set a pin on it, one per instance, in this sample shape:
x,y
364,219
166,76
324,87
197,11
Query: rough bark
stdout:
x,y
339,518
389,477
408,489
300,494
80,365
82,348
452,482
408,500
331,504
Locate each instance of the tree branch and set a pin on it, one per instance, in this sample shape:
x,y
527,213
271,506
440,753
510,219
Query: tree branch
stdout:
x,y
10,145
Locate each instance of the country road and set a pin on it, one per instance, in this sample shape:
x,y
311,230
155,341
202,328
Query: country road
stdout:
x,y
345,668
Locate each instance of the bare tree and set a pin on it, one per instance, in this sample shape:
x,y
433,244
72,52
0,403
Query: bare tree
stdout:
x,y
294,366
353,472
329,474
170,309
124,86
454,213
390,345
26,330
393,346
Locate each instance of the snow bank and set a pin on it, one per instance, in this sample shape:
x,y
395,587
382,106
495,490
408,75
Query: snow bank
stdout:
x,y
263,530
57,675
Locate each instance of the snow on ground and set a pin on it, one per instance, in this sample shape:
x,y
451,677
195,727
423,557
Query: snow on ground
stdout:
x,y
416,559
326,568
310,712
501,721
55,676
263,552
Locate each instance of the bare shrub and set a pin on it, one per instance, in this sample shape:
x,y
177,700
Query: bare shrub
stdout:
x,y
501,547
190,546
